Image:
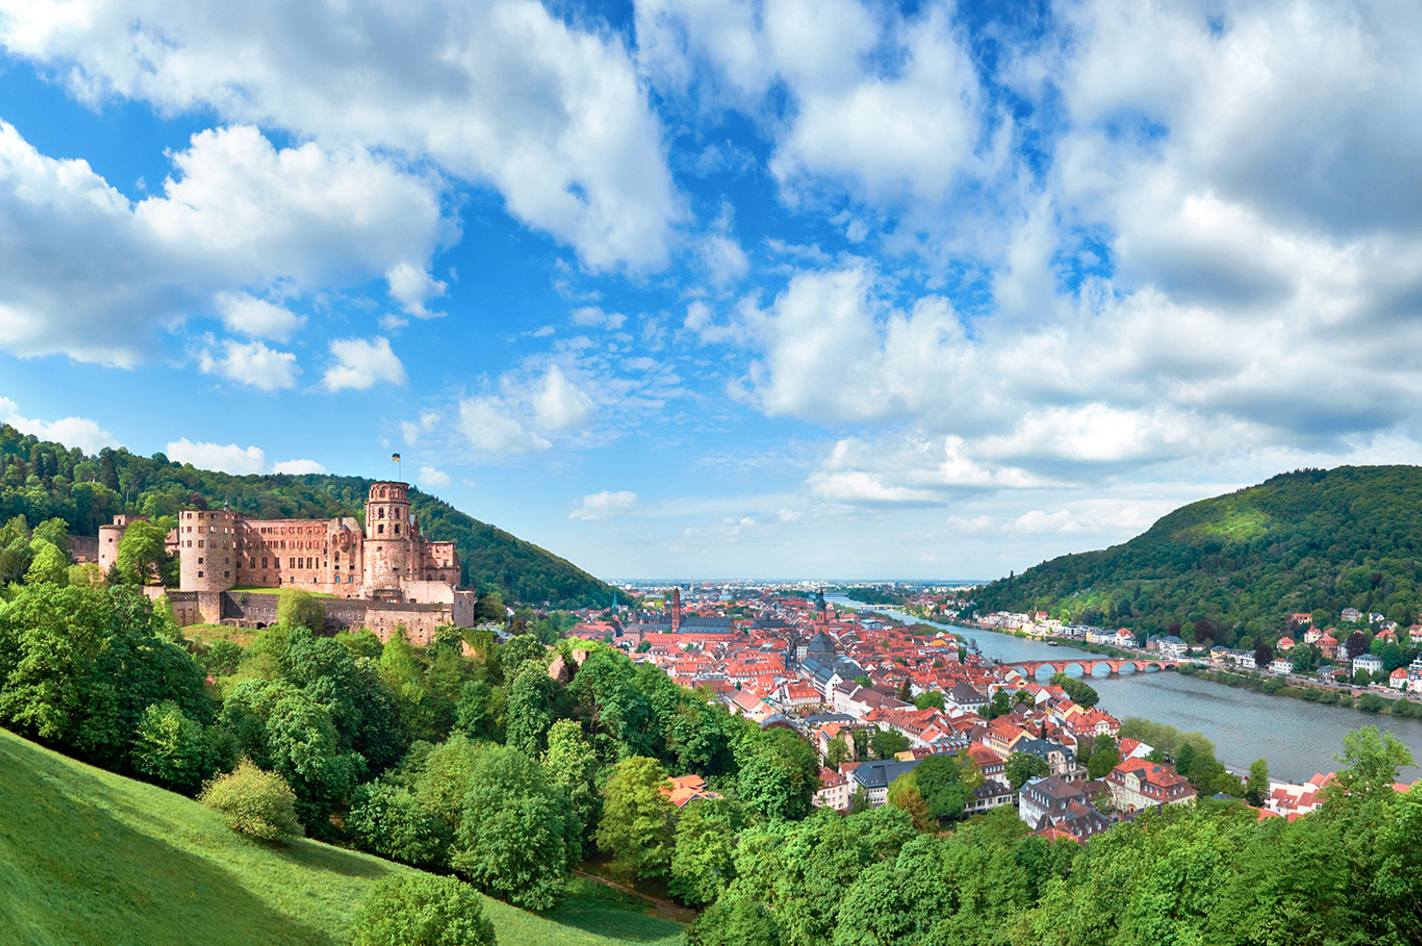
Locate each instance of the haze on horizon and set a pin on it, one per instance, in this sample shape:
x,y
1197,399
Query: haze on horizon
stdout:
x,y
724,287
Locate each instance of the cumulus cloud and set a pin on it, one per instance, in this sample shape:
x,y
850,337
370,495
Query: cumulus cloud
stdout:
x,y
413,430
592,316
604,505
362,363
78,432
244,313
499,92
230,458
252,364
430,476
412,287
559,405
297,467
490,427
94,274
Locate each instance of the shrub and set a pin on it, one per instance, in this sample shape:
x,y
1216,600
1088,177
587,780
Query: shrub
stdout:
x,y
423,910
258,804
734,923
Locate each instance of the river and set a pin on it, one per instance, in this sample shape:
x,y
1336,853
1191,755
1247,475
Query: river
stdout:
x,y
1297,737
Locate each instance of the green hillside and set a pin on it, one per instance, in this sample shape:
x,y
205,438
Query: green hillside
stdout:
x,y
87,856
1312,540
41,480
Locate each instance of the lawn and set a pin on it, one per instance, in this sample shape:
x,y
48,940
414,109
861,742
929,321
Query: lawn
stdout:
x,y
91,857
212,633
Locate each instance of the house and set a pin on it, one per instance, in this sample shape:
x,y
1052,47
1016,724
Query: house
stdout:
x,y
1173,647
1061,761
1398,679
1372,663
1137,783
686,789
876,777
1281,665
1351,615
991,794
1328,646
834,790
1047,803
1284,645
966,697
1313,635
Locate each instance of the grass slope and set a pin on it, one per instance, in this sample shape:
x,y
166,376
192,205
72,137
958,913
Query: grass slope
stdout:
x,y
1304,541
87,856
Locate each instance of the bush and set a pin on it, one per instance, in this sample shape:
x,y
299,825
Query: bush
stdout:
x,y
258,804
734,923
423,910
223,658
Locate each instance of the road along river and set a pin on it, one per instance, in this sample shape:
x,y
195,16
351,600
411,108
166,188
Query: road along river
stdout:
x,y
1298,738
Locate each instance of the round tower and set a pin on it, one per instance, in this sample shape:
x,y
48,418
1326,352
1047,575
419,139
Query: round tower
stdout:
x,y
388,548
207,549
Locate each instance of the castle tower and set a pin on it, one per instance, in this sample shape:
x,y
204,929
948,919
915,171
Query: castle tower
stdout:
x,y
389,547
207,549
676,610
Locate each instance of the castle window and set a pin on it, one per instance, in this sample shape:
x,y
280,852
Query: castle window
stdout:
x,y
397,528
382,512
226,574
380,529
264,563
200,541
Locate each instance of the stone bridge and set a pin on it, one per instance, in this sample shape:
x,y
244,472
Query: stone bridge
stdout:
x,y
1088,665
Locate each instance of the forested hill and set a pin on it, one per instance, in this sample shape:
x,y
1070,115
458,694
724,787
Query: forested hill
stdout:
x,y
43,480
1312,540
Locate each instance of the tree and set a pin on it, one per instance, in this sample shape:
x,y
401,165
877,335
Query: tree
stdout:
x,y
906,691
142,553
529,715
837,753
390,820
572,765
1102,762
703,862
637,826
50,566
946,783
1371,759
888,743
517,834
520,650
297,608
933,698
256,803
490,607
904,795
171,748
480,711
422,910
859,801
1263,654
1256,790
779,774
1000,705
1081,692
734,922
1022,766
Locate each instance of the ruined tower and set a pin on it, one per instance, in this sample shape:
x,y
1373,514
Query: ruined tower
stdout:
x,y
389,540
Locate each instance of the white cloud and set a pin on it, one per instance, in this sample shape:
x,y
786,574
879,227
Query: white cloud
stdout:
x,y
558,405
94,275
499,92
412,287
362,363
605,505
252,364
257,317
489,427
429,476
412,430
1039,521
78,432
298,467
592,316
211,456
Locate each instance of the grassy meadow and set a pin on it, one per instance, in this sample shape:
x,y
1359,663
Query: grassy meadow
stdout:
x,y
89,857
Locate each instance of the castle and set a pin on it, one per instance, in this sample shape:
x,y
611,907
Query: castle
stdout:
x,y
389,573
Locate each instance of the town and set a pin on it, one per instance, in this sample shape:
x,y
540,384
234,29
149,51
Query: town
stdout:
x,y
876,697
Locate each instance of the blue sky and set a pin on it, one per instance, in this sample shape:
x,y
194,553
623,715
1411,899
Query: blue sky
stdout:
x,y
715,288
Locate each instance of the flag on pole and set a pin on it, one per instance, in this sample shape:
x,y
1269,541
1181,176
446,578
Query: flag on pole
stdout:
x,y
396,458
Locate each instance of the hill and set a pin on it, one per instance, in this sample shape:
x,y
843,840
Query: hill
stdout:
x,y
1308,541
87,856
40,480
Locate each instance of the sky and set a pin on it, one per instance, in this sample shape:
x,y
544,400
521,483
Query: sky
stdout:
x,y
717,288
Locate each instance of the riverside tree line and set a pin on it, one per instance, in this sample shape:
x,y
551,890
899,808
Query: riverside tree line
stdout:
x,y
470,758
